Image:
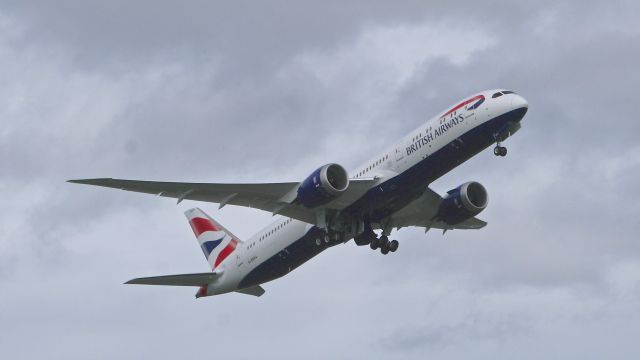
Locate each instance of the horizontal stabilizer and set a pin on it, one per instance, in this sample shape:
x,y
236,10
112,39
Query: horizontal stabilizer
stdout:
x,y
199,279
254,290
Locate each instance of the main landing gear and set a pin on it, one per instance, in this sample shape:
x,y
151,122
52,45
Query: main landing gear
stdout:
x,y
369,237
384,244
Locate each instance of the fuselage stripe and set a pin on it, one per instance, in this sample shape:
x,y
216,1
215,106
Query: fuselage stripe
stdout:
x,y
464,103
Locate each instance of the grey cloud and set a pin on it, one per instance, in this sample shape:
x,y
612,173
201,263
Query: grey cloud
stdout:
x,y
491,327
203,92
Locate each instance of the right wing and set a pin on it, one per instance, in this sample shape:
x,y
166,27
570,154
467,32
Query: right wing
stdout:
x,y
422,213
276,198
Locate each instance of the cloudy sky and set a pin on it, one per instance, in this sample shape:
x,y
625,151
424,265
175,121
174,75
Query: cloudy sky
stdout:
x,y
243,91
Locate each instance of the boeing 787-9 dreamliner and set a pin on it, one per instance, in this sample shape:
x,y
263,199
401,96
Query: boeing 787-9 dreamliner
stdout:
x,y
332,206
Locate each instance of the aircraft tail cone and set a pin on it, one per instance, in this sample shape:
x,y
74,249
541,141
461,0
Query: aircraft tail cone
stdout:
x,y
202,292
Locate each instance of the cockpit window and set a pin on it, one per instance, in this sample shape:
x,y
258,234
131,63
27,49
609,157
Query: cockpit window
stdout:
x,y
498,94
508,92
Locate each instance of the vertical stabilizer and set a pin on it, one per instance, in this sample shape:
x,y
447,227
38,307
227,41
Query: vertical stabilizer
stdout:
x,y
216,242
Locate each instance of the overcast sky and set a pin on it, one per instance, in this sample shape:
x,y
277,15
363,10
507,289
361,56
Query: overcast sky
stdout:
x,y
269,91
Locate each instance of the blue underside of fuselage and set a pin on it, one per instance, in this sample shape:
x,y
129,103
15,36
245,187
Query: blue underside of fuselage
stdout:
x,y
388,197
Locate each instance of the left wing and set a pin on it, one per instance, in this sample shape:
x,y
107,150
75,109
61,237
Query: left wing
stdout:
x,y
272,197
422,213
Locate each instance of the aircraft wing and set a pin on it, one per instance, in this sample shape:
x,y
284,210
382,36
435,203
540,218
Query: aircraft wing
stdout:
x,y
276,198
422,213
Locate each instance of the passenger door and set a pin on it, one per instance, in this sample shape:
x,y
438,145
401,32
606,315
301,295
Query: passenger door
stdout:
x,y
400,159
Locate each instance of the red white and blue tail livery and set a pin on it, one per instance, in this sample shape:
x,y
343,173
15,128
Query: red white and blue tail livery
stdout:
x,y
332,206
216,242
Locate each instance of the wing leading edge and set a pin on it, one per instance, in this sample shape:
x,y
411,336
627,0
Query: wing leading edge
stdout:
x,y
271,197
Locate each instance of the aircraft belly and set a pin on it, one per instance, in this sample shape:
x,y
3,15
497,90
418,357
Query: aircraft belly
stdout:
x,y
289,258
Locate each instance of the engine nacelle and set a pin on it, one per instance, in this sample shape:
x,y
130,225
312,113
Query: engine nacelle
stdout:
x,y
323,185
463,202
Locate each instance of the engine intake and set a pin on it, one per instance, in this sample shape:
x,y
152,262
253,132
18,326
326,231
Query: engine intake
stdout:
x,y
463,202
323,185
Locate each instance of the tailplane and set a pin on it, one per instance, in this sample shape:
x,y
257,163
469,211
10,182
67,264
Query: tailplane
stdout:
x,y
216,242
199,279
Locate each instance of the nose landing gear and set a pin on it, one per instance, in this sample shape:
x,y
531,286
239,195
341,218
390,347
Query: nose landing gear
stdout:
x,y
500,150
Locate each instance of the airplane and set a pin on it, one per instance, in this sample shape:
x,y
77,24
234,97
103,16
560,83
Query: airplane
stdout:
x,y
332,206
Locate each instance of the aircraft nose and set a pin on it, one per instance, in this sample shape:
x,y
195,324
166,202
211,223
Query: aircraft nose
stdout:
x,y
518,102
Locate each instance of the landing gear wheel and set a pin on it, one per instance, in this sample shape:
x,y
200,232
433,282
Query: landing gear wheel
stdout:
x,y
393,246
375,243
500,151
385,248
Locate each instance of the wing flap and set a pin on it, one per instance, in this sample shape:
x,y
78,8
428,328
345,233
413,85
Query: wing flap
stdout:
x,y
198,279
471,224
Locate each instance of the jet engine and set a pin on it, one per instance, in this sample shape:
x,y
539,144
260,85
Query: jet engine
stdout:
x,y
323,185
462,203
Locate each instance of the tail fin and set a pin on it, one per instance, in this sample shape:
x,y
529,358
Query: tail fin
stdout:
x,y
216,242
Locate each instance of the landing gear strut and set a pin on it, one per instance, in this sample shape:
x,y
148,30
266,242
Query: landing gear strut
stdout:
x,y
368,237
499,150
